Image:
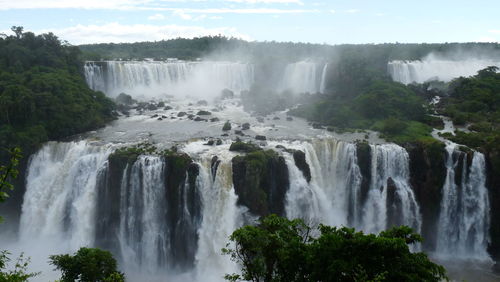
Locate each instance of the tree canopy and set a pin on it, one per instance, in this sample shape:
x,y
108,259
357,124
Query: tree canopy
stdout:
x,y
278,249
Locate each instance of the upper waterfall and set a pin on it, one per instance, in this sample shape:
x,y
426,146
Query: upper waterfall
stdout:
x,y
145,79
304,77
435,68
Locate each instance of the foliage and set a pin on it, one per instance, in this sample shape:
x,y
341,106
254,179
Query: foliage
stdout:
x,y
278,249
87,265
9,172
43,94
19,273
240,146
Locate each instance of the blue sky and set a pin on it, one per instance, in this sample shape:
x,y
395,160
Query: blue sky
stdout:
x,y
316,21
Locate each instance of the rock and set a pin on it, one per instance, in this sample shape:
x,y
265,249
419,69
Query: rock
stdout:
x,y
214,119
224,135
199,119
218,142
260,119
125,99
181,114
163,116
289,118
245,126
227,126
317,126
239,132
260,137
191,116
173,118
243,147
154,116
276,118
202,103
226,94
214,164
159,118
204,113
261,181
300,161
210,142
152,107
161,104
167,108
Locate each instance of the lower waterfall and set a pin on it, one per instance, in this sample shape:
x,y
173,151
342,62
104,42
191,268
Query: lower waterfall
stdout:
x,y
464,220
160,221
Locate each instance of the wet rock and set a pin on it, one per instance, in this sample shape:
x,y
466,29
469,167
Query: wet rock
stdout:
x,y
226,94
151,107
173,118
289,118
260,137
181,114
218,142
210,142
276,118
161,104
191,116
125,99
214,165
227,126
199,119
317,126
163,116
202,103
224,135
245,126
204,113
260,119
167,108
239,132
300,161
159,118
154,116
214,119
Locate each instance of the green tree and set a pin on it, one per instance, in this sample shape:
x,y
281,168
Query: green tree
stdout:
x,y
7,173
87,265
278,249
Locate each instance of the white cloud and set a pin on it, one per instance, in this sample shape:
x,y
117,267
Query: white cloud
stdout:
x,y
352,11
156,17
115,4
115,32
215,18
332,11
268,1
183,15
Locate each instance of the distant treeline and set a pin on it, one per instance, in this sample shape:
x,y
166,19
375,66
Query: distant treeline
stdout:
x,y
220,47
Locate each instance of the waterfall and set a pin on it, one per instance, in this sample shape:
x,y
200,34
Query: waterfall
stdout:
x,y
322,85
433,68
390,200
335,195
60,199
145,79
301,77
464,218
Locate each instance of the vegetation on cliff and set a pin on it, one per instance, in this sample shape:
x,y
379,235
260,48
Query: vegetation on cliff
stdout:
x,y
278,249
43,94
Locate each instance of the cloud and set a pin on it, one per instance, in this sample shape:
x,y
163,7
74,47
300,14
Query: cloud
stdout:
x,y
494,31
115,32
116,4
352,11
298,2
183,15
156,17
332,11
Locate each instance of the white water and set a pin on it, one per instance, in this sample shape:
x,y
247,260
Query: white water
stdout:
x,y
302,77
322,85
435,68
464,219
147,80
60,202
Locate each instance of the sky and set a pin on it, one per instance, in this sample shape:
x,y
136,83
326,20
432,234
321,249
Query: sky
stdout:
x,y
315,21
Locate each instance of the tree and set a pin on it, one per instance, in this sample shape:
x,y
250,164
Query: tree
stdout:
x,y
8,172
87,265
278,249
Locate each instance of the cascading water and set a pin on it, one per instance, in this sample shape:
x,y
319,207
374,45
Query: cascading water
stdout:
x,y
464,218
433,68
157,79
301,77
322,85
391,200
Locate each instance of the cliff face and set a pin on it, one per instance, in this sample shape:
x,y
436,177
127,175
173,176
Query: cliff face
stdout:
x,y
261,181
493,184
181,213
427,176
